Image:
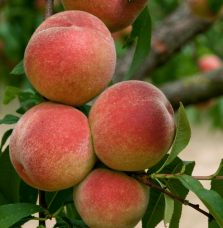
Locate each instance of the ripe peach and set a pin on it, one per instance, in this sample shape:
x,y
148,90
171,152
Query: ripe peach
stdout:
x,y
202,9
70,58
132,125
209,62
51,148
116,14
111,199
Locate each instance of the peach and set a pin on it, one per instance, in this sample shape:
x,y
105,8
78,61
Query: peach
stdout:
x,y
132,125
201,9
209,63
111,199
116,14
70,58
51,147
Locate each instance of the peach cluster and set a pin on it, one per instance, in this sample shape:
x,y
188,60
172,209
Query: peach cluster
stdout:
x,y
70,59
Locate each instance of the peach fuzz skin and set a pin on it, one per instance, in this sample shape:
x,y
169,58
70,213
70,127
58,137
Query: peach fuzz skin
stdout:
x,y
70,58
111,199
51,148
132,126
116,14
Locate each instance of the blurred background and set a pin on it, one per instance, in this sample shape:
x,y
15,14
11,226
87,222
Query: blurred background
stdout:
x,y
20,18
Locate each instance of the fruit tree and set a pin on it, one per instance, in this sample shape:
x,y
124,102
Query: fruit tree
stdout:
x,y
104,112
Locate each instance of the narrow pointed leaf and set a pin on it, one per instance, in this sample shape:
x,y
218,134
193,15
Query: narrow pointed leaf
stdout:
x,y
169,206
19,69
10,94
5,137
217,185
3,200
215,6
66,221
30,101
9,179
55,200
22,222
85,109
182,137
211,199
155,211
75,223
9,119
12,213
142,27
27,194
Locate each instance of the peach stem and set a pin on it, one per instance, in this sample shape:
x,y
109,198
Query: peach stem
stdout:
x,y
42,203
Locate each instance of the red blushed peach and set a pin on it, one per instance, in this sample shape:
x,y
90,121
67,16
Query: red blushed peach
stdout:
x,y
132,125
209,63
202,9
70,58
51,148
116,14
111,199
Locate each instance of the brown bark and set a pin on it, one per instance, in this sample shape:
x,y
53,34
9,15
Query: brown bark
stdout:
x,y
194,89
48,8
167,38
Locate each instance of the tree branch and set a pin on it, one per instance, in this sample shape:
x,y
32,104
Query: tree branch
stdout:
x,y
194,89
141,178
48,8
167,38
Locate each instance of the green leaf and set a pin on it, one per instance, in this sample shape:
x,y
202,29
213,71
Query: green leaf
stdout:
x,y
217,186
85,109
9,119
142,30
5,137
12,213
111,83
211,199
22,222
3,200
41,226
19,69
55,200
75,223
155,211
182,137
72,212
10,94
66,221
27,194
30,101
169,206
213,224
215,6
9,179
